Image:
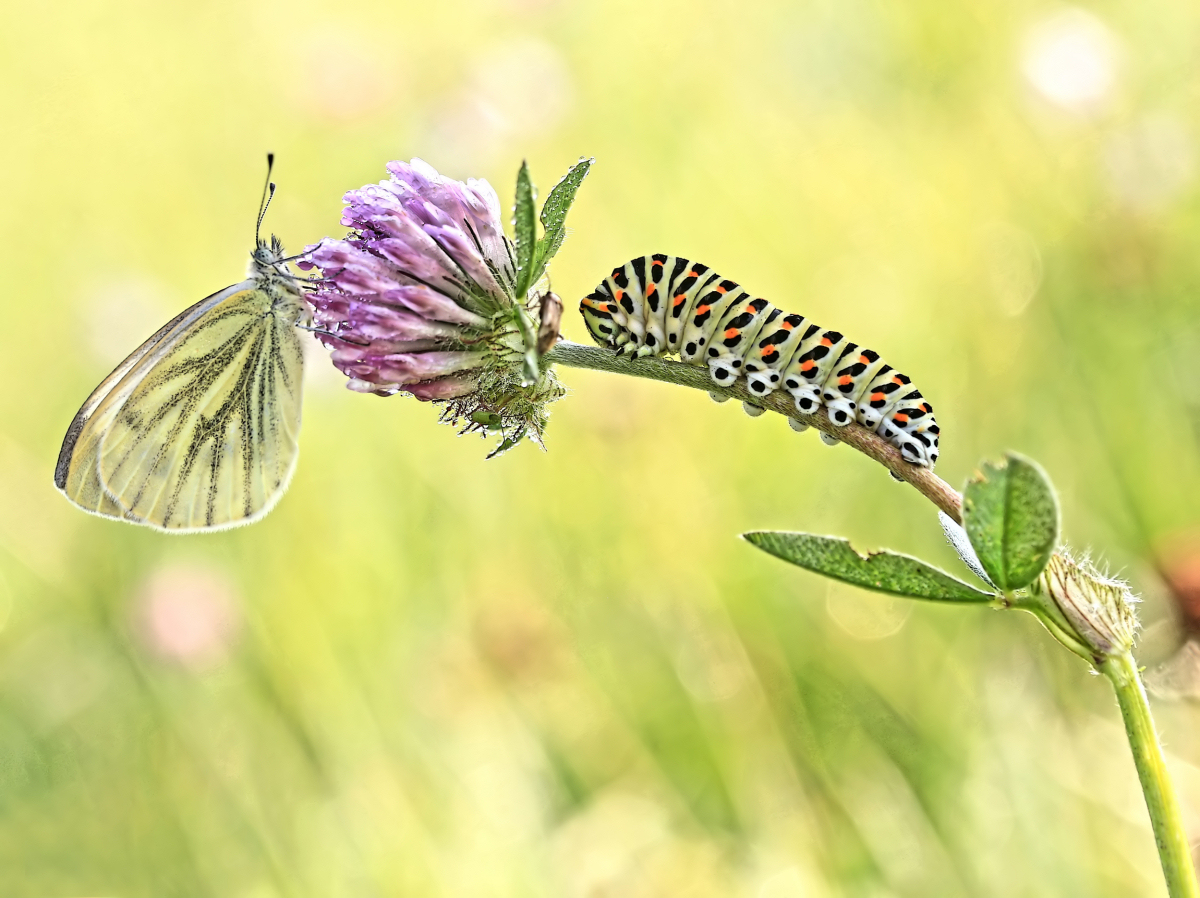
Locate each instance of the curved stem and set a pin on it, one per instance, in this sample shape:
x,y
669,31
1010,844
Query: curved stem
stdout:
x,y
1161,801
928,484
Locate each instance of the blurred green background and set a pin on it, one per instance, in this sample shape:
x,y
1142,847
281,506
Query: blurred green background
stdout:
x,y
563,674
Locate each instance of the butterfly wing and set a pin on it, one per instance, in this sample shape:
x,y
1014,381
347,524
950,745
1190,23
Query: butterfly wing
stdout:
x,y
200,433
76,473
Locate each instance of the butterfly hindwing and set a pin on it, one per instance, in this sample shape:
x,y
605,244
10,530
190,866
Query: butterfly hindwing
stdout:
x,y
198,429
208,436
76,472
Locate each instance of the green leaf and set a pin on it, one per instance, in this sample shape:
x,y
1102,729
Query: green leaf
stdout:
x,y
524,228
554,214
1010,514
883,571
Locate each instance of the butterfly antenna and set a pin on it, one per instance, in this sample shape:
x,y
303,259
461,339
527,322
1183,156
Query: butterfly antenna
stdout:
x,y
267,195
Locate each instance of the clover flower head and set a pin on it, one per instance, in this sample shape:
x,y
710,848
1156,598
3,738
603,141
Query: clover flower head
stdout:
x,y
1099,608
427,296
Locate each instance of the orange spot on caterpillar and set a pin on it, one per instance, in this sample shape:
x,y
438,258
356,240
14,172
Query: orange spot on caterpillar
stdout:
x,y
731,333
769,351
749,310
721,289
700,310
807,365
787,326
693,273
650,290
620,295
925,407
679,298
877,397
900,418
863,360
825,341
845,379
897,381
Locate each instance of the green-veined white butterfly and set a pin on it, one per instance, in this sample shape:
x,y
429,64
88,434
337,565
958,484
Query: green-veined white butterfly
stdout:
x,y
198,428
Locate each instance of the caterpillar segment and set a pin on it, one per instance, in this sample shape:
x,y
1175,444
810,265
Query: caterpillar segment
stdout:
x,y
727,349
662,305
688,281
776,343
700,330
911,428
843,392
810,366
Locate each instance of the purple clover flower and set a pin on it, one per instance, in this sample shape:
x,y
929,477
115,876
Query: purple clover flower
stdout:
x,y
427,296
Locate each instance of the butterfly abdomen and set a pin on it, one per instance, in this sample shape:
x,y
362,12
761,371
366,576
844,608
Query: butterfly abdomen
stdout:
x,y
662,305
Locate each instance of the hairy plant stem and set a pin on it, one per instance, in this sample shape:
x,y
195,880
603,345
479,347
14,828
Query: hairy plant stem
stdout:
x,y
1161,801
928,484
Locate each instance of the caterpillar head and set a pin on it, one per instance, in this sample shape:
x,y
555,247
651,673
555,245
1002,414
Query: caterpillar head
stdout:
x,y
599,320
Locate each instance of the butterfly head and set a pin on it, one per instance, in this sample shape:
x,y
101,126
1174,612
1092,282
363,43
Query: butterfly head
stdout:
x,y
266,256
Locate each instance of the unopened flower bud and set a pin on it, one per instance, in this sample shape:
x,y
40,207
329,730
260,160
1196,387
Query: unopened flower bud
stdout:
x,y
1099,609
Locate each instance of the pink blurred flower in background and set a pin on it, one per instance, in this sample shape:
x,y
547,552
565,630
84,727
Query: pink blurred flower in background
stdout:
x,y
187,614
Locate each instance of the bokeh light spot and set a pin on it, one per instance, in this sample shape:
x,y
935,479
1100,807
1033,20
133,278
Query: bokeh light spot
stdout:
x,y
866,616
1070,58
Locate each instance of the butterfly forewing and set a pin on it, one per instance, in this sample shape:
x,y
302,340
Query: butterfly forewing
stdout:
x,y
202,432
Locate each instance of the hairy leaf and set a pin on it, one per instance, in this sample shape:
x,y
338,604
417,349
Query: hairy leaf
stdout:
x,y
524,227
883,571
1010,514
554,214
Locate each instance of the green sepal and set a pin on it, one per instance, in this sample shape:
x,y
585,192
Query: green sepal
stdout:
x,y
882,571
554,215
1010,513
509,442
529,361
525,231
487,419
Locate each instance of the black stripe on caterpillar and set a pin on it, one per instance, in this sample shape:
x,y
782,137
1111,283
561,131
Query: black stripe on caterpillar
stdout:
x,y
661,305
